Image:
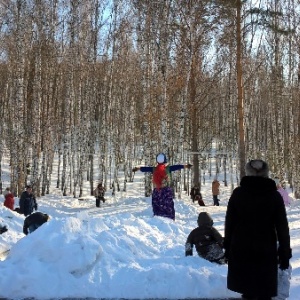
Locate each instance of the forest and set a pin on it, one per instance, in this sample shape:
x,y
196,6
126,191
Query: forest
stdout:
x,y
108,84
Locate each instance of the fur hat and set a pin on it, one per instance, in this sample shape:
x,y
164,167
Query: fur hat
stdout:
x,y
257,167
161,158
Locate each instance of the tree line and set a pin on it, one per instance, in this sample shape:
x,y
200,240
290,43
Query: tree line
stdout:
x,y
108,84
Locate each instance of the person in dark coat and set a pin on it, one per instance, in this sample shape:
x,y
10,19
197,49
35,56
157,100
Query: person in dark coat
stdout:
x,y
162,195
255,221
194,192
99,194
207,240
34,221
27,201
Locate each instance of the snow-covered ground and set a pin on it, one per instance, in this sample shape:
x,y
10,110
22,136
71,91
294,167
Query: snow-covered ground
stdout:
x,y
118,250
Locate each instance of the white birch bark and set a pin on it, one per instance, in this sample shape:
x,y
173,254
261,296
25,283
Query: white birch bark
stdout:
x,y
18,152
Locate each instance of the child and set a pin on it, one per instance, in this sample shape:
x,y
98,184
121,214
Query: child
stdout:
x,y
9,201
207,240
283,192
194,192
198,198
34,221
215,187
99,194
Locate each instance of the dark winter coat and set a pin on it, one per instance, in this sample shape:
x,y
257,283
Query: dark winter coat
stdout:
x,y
99,192
36,219
9,201
207,240
255,220
199,199
27,203
194,192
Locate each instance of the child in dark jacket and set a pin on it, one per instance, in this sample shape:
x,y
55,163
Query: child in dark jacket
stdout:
x,y
194,192
199,199
207,240
34,221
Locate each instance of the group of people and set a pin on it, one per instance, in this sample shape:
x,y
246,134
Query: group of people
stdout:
x,y
256,240
256,243
27,206
196,195
162,195
27,202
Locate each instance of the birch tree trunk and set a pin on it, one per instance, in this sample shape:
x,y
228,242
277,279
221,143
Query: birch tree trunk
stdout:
x,y
18,153
239,70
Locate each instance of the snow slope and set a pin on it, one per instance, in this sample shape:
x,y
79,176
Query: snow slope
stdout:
x,y
118,250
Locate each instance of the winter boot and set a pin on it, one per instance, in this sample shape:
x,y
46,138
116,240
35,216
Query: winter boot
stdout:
x,y
97,202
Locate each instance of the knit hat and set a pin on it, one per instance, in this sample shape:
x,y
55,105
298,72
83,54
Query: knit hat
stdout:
x,y
161,158
204,219
257,167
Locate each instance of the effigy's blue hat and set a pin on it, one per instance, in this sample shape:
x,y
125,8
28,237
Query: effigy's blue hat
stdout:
x,y
161,158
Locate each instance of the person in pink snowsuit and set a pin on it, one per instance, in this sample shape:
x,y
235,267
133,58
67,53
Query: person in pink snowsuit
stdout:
x,y
283,192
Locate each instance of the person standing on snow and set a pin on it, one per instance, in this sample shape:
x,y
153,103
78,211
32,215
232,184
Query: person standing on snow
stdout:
x,y
27,202
162,195
255,221
207,240
99,194
9,201
215,187
194,192
283,192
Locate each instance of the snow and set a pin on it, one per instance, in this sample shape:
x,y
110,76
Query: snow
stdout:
x,y
118,250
